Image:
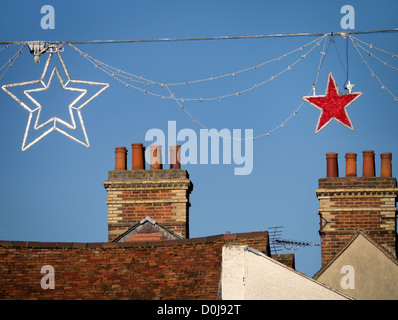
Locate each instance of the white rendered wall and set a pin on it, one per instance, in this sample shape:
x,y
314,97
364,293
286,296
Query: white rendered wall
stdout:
x,y
251,275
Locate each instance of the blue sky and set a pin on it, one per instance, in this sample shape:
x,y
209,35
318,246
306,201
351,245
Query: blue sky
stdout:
x,y
54,190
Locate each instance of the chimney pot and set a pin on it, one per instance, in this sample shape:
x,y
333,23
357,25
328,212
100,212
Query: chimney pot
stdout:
x,y
331,165
368,169
351,164
156,156
138,157
120,158
386,167
175,157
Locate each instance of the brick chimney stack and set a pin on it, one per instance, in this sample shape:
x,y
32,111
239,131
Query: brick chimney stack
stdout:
x,y
134,195
351,203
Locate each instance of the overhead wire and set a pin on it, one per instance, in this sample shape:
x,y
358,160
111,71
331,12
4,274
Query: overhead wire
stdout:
x,y
372,72
371,46
5,47
386,64
277,35
129,78
114,72
11,61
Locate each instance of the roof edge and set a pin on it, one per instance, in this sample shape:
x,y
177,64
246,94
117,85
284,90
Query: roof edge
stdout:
x,y
254,251
110,245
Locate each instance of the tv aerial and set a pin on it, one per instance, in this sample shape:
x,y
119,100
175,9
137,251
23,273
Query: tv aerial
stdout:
x,y
292,244
275,234
277,244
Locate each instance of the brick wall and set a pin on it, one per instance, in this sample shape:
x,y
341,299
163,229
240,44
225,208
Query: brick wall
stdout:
x,y
173,269
350,204
357,182
161,194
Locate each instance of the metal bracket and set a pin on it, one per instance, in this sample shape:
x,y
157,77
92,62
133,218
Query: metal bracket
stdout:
x,y
323,222
343,34
37,48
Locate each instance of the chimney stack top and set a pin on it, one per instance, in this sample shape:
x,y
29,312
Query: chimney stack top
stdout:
x,y
368,165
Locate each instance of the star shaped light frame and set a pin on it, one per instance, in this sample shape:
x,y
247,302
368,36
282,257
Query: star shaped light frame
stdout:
x,y
333,105
75,105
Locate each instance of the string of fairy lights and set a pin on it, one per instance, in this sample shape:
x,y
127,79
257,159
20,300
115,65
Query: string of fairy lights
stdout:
x,y
144,85
126,78
357,46
10,61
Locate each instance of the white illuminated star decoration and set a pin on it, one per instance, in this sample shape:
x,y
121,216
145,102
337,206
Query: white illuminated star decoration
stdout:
x,y
50,125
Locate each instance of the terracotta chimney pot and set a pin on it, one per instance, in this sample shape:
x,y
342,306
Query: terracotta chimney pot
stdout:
x,y
351,165
138,157
331,165
386,167
156,156
175,157
368,169
120,158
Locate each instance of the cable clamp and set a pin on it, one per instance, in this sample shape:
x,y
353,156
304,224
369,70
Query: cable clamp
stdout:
x,y
343,34
37,48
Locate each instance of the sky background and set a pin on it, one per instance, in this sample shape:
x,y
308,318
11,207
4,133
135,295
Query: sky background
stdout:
x,y
54,191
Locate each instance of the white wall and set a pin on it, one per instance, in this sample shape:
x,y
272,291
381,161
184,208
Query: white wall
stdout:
x,y
250,275
372,275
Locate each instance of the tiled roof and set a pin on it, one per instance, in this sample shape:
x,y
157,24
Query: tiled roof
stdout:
x,y
170,269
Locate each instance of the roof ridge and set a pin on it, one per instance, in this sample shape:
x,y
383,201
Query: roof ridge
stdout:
x,y
254,251
227,237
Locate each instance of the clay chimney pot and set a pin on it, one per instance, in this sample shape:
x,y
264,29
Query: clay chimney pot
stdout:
x,y
368,169
351,165
138,157
175,157
156,156
386,167
331,165
120,158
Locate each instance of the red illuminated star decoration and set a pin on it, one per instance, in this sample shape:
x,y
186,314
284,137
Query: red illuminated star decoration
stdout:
x,y
333,105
